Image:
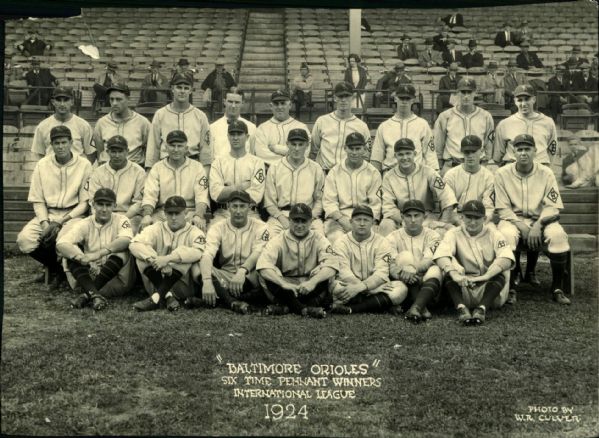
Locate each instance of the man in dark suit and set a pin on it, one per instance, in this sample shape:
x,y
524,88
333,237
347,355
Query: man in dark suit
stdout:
x,y
472,58
429,57
447,82
526,59
573,62
454,19
219,81
451,55
505,37
40,82
33,46
557,83
155,86
407,49
389,81
440,40
584,81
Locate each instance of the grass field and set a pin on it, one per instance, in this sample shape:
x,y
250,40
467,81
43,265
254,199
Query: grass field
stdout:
x,y
67,372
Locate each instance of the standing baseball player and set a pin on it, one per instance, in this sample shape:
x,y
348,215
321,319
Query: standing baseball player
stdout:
x,y
81,131
330,130
412,260
528,202
455,123
292,180
97,246
404,124
270,144
59,195
362,283
349,184
296,267
123,121
165,252
525,121
470,180
408,180
179,175
219,141
123,177
236,170
475,259
180,115
238,241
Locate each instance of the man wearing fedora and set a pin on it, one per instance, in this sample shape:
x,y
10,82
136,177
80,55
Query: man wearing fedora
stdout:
x,y
557,83
407,49
491,82
103,83
155,86
302,89
511,80
451,55
447,83
526,59
389,81
505,37
473,58
429,57
40,82
218,81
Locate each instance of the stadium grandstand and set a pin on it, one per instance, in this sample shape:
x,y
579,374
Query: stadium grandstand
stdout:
x,y
263,49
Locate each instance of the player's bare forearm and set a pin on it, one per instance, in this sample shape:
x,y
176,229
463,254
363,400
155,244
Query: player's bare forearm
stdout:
x,y
134,210
206,263
68,250
250,262
444,263
201,209
498,266
272,276
119,244
324,274
79,210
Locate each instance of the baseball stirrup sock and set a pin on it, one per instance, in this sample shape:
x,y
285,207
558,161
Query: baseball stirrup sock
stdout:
x,y
81,274
531,261
455,292
558,269
168,282
286,297
110,270
223,293
492,290
154,276
374,303
46,256
428,290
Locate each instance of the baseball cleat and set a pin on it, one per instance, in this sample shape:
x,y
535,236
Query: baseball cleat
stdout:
x,y
413,314
426,314
172,303
464,315
531,279
99,302
275,309
511,298
192,302
146,305
560,298
314,312
396,310
340,309
478,317
80,302
240,307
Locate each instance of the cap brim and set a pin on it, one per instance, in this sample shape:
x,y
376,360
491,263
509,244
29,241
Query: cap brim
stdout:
x,y
236,130
404,95
297,138
62,95
473,214
174,210
413,209
299,216
102,198
523,94
280,98
343,93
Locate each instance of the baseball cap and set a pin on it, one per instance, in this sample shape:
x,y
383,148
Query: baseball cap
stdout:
x,y
60,131
279,95
239,195
104,194
524,90
355,139
117,141
63,92
467,84
413,204
405,90
119,87
180,79
404,144
176,135
344,89
298,134
175,204
524,139
237,126
471,143
474,208
300,211
362,209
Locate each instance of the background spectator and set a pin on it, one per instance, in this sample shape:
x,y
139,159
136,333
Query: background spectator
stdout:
x,y
510,81
429,57
491,82
103,83
389,81
357,75
440,40
155,86
302,89
557,83
33,46
183,68
448,82
573,62
218,81
451,55
527,59
523,33
505,37
407,49
40,82
473,58
594,65
454,19
584,81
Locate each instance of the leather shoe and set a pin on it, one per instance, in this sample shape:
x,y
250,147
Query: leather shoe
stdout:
x,y
146,305
560,298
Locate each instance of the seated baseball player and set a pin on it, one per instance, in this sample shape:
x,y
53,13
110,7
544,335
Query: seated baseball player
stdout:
x,y
296,267
165,252
475,259
59,196
362,283
350,183
96,252
528,201
123,177
409,180
291,180
412,248
178,175
235,245
470,180
234,171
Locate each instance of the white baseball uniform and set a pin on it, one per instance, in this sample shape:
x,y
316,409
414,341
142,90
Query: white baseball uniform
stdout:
x,y
416,129
274,132
219,139
328,138
410,250
468,186
127,183
81,131
136,130
192,121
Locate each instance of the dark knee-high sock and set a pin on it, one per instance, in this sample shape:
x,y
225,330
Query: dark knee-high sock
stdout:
x,y
162,284
286,297
109,270
455,292
558,269
46,255
531,261
81,274
492,290
428,290
223,293
374,303
516,270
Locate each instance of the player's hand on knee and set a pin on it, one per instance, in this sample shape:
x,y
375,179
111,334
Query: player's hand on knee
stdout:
x,y
534,239
199,222
237,282
284,221
167,271
345,224
160,262
209,293
146,221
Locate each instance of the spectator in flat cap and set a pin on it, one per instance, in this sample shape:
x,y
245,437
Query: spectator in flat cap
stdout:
x,y
557,83
406,49
429,57
584,81
523,33
505,37
527,59
455,19
440,40
103,82
218,82
302,89
357,75
155,87
448,82
40,82
389,81
33,45
451,55
473,58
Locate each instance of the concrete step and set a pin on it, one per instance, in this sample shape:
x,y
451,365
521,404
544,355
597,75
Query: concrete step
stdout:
x,y
257,43
261,64
259,35
253,31
581,243
264,50
580,228
270,87
279,57
257,79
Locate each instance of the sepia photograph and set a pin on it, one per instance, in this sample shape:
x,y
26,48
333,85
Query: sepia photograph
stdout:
x,y
300,219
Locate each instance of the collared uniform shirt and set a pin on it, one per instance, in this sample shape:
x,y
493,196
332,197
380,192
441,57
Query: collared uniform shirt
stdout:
x,y
136,130
228,171
468,186
159,240
286,186
420,246
81,131
127,183
219,136
273,132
